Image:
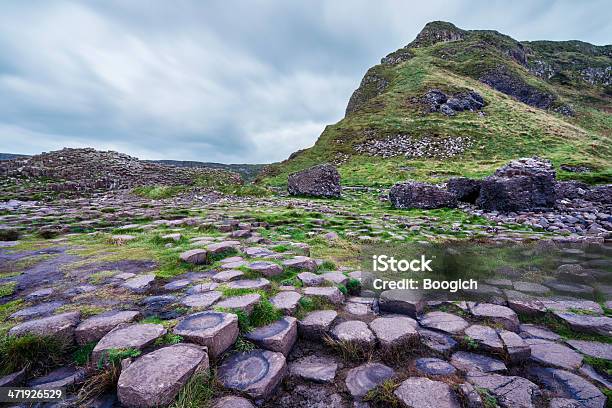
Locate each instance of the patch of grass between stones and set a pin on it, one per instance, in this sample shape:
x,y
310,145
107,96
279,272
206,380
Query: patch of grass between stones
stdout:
x,y
562,328
382,396
82,355
7,289
349,350
36,353
600,364
198,392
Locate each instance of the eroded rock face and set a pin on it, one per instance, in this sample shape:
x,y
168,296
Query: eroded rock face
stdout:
x,y
256,373
154,379
502,80
412,194
465,189
372,85
318,181
523,184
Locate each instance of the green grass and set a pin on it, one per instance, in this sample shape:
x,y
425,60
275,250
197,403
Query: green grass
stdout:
x,y
383,395
7,289
168,339
562,328
37,353
158,192
82,355
509,129
114,356
198,392
264,313
600,364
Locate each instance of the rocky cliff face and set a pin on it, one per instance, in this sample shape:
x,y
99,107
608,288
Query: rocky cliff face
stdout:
x,y
507,98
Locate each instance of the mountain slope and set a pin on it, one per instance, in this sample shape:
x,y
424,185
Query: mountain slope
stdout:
x,y
552,99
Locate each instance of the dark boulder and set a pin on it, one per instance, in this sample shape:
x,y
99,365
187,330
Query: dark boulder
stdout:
x,y
465,189
521,185
601,194
437,101
502,80
412,194
570,190
470,101
434,98
318,181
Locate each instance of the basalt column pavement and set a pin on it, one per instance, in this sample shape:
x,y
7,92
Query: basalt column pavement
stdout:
x,y
258,302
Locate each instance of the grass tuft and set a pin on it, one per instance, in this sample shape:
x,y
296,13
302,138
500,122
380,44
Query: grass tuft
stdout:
x,y
36,353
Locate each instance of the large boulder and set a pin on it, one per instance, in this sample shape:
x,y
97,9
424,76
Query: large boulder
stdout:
x,y
155,379
318,181
601,194
570,190
412,194
465,189
523,184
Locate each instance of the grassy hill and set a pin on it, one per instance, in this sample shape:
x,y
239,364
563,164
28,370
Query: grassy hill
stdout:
x,y
552,99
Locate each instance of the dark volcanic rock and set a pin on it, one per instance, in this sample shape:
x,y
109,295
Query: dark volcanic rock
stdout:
x,y
511,84
75,171
438,101
256,372
602,194
412,194
318,181
567,385
524,184
466,190
570,190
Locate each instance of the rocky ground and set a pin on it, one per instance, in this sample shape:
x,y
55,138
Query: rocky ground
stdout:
x,y
213,300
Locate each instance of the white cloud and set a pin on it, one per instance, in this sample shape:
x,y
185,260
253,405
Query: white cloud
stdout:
x,y
215,81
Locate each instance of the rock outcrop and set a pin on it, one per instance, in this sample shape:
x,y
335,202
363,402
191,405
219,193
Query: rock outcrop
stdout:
x,y
524,184
86,170
318,181
412,194
437,101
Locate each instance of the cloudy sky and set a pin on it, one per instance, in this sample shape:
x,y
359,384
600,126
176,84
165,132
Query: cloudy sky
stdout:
x,y
230,81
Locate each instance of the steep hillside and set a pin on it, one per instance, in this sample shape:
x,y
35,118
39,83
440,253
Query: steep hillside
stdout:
x,y
459,102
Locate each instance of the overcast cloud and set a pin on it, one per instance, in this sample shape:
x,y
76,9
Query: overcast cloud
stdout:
x,y
230,81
